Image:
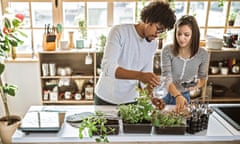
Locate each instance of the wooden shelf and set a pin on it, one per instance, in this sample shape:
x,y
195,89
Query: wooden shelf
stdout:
x,y
67,102
80,76
225,99
72,77
223,76
224,49
230,80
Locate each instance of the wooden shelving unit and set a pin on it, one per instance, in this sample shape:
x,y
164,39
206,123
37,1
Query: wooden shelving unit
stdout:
x,y
229,80
81,73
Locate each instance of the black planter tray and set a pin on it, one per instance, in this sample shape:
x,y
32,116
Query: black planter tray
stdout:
x,y
137,128
175,130
109,130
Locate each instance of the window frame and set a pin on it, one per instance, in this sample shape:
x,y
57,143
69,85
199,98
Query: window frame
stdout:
x,y
58,15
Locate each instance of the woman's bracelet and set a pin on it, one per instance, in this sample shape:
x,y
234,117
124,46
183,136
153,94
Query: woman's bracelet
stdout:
x,y
177,95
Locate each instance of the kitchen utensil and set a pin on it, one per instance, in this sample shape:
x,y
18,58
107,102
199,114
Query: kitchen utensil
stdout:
x,y
88,59
224,70
235,69
45,69
52,69
195,93
214,69
67,95
68,71
64,44
214,43
78,96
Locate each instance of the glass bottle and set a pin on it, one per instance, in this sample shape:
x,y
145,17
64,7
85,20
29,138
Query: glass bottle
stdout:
x,y
88,90
209,90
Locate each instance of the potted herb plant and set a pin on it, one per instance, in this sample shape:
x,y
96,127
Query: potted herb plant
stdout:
x,y
83,33
137,117
168,122
100,125
232,18
10,32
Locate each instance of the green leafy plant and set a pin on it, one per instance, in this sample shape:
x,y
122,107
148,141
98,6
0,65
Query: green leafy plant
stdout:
x,y
167,118
103,40
232,16
139,112
97,125
221,3
9,39
82,28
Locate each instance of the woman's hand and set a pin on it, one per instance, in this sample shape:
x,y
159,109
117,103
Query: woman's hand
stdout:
x,y
181,103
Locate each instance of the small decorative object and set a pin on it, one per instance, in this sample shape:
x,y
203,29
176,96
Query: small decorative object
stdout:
x,y
88,90
232,18
83,34
71,40
9,39
59,34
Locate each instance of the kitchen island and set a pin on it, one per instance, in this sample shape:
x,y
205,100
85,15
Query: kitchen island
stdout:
x,y
219,131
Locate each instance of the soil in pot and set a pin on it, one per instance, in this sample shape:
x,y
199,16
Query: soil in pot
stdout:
x,y
174,130
196,125
145,127
11,119
7,128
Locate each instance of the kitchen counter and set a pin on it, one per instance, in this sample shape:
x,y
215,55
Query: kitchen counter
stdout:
x,y
219,131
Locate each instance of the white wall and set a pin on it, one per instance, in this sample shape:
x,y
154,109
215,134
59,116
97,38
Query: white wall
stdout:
x,y
26,75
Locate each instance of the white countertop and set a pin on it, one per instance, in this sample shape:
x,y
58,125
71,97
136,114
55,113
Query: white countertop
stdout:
x,y
218,130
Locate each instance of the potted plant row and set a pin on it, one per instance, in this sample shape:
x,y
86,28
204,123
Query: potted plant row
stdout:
x,y
139,117
147,113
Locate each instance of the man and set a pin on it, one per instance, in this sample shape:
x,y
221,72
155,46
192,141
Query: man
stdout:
x,y
128,57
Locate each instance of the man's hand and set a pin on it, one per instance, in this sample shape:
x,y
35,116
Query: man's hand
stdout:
x,y
150,78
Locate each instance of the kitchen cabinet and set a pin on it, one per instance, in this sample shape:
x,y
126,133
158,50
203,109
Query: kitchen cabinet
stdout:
x,y
72,78
82,73
229,82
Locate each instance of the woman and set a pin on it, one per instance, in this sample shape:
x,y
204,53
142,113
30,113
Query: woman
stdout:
x,y
183,61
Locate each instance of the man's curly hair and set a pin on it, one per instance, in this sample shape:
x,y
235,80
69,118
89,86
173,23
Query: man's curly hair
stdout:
x,y
159,12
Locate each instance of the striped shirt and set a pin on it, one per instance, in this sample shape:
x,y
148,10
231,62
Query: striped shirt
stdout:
x,y
179,70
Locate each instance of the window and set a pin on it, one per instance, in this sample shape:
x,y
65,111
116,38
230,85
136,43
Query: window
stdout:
x,y
101,15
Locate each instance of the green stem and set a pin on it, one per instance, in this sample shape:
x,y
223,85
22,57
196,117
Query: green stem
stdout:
x,y
4,99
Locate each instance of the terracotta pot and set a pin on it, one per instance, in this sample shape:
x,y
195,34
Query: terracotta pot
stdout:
x,y
7,128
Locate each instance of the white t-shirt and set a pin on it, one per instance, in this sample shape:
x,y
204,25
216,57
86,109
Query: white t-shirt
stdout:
x,y
125,48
